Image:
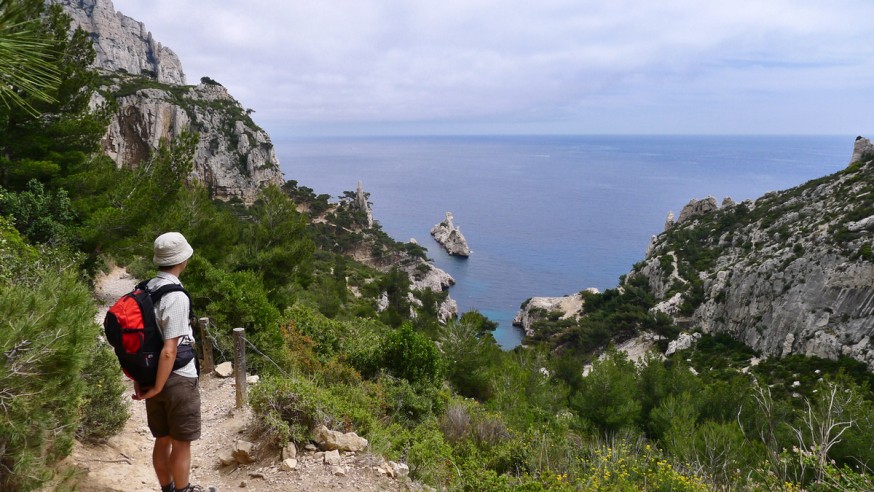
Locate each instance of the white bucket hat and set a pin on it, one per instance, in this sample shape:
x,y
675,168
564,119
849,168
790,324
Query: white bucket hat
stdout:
x,y
171,248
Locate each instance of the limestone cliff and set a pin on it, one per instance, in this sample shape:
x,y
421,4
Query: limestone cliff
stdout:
x,y
143,84
792,272
234,158
122,43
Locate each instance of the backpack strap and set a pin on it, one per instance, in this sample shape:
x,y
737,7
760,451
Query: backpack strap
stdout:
x,y
156,296
158,293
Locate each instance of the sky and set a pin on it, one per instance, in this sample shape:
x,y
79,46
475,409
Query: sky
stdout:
x,y
395,67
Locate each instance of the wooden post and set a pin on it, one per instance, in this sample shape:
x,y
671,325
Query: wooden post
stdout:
x,y
240,365
208,362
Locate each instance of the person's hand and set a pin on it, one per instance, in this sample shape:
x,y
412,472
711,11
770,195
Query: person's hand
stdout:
x,y
141,393
148,394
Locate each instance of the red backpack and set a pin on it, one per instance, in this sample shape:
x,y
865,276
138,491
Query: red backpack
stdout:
x,y
132,330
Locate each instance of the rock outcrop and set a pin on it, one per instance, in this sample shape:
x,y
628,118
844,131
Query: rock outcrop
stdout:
x,y
538,308
683,342
422,273
791,273
449,236
234,157
122,43
861,148
697,208
360,204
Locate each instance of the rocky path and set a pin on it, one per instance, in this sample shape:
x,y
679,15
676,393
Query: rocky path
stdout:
x,y
124,462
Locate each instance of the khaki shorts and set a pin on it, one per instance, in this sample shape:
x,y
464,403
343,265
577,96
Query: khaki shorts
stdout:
x,y
175,411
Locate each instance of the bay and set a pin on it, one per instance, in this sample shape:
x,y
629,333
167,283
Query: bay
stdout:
x,y
548,215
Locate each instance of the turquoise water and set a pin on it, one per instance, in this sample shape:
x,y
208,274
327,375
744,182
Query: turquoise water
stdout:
x,y
549,216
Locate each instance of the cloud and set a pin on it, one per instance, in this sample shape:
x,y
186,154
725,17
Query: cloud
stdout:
x,y
376,61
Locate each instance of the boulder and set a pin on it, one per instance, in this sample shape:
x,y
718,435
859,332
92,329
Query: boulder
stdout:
x,y
399,469
332,457
333,440
226,457
861,225
288,464
289,451
243,452
224,370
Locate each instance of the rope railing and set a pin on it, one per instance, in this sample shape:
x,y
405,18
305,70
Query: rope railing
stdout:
x,y
239,363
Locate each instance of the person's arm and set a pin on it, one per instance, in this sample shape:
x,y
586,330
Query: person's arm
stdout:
x,y
165,367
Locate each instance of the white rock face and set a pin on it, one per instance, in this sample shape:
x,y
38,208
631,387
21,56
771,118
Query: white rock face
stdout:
x,y
234,158
434,279
669,220
866,223
683,342
123,43
670,306
449,236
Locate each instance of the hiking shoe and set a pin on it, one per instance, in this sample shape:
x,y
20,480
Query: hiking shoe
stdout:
x,y
197,488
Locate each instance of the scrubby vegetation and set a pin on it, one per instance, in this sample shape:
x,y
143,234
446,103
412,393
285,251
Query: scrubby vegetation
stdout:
x,y
443,397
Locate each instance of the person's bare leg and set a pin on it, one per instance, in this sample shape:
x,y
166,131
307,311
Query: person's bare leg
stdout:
x,y
180,462
161,459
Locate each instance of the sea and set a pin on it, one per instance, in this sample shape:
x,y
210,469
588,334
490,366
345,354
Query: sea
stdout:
x,y
548,215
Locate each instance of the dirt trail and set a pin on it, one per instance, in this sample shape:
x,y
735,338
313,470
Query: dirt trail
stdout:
x,y
124,462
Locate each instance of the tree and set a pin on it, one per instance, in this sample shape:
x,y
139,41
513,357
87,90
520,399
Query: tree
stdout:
x,y
274,242
52,130
26,69
134,207
42,216
470,351
396,285
609,396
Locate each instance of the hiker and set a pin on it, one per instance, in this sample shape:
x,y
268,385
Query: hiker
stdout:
x,y
173,403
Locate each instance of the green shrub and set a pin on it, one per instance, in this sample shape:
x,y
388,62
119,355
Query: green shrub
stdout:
x,y
104,409
430,457
289,408
408,404
47,335
16,256
410,355
628,466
